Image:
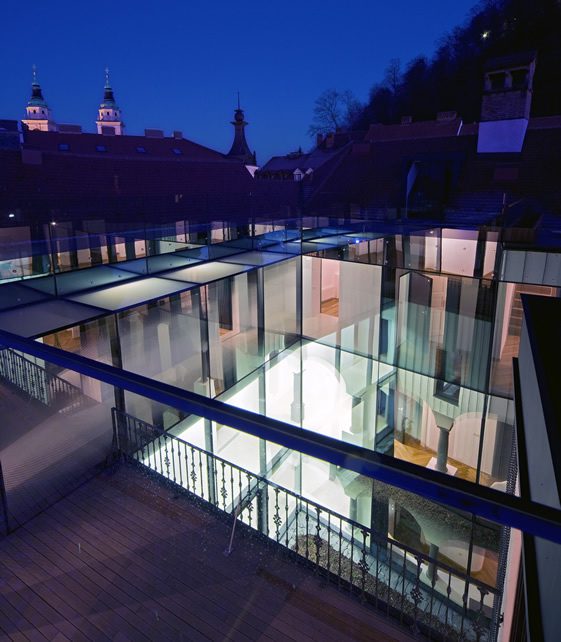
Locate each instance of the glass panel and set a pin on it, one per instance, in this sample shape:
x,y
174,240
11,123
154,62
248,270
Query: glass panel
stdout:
x,y
281,303
341,304
235,338
55,436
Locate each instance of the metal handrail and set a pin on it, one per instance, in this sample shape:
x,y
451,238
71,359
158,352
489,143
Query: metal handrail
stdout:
x,y
33,379
184,464
160,432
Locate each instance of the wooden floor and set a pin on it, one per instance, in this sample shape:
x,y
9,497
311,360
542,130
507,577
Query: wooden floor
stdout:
x,y
331,307
122,559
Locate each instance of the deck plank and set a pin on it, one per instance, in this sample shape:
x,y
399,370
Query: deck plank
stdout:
x,y
121,559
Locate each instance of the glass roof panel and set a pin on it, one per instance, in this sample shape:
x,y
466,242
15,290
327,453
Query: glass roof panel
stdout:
x,y
365,236
127,295
218,250
315,246
206,272
255,258
200,253
14,294
281,235
292,247
47,316
332,240
78,280
324,231
158,263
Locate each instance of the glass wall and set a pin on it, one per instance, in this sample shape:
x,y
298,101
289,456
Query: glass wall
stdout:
x,y
392,359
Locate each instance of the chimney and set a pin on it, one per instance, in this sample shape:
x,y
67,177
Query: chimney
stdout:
x,y
406,120
506,102
178,135
154,133
319,140
329,140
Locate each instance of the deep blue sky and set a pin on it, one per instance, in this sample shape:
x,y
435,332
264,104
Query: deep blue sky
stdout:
x,y
177,64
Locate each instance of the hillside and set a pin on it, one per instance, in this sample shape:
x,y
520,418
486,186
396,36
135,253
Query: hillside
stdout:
x,y
452,79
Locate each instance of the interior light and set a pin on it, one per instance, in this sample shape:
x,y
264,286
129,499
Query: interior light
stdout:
x,y
11,215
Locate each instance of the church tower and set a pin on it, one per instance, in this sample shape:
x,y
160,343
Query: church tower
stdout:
x,y
109,115
240,148
38,114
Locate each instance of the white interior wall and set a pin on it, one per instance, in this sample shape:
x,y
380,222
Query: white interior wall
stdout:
x,y
458,255
280,298
503,312
311,287
359,300
489,260
431,252
329,279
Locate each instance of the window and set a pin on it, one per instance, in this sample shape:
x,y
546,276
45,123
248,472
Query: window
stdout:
x,y
141,150
63,147
497,81
446,391
100,148
177,151
519,78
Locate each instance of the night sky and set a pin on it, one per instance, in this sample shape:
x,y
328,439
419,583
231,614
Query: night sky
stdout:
x,y
178,64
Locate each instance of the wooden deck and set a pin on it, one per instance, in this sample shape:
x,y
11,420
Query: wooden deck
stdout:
x,y
122,559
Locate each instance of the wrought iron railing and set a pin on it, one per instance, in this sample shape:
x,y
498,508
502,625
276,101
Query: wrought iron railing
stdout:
x,y
422,592
37,382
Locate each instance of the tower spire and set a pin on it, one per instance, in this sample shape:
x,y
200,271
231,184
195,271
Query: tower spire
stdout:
x,y
240,148
37,112
109,119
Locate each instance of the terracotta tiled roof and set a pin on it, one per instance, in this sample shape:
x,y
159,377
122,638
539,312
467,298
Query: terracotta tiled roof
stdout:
x,y
378,178
312,160
88,144
200,183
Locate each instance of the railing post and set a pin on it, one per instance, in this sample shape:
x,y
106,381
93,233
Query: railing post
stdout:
x,y
211,474
121,441
4,501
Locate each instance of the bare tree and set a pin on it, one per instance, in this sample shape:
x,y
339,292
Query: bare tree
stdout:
x,y
334,110
392,75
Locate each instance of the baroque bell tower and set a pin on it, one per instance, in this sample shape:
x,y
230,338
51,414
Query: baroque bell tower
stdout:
x,y
240,148
38,115
109,119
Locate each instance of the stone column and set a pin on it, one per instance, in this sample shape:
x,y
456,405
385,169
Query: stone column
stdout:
x,y
432,571
297,406
442,450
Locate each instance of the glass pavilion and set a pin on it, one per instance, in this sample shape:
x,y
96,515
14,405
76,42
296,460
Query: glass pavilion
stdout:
x,y
400,343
